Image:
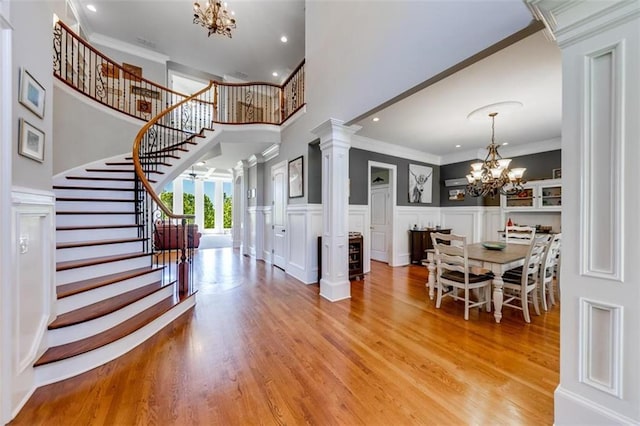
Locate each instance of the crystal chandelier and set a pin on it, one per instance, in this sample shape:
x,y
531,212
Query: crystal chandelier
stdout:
x,y
214,17
493,176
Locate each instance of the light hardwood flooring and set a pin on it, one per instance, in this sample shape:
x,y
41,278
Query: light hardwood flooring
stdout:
x,y
262,348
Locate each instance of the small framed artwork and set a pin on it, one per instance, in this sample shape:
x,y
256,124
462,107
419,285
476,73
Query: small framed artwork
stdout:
x,y
296,176
143,106
456,194
420,182
132,72
31,143
32,93
557,173
110,70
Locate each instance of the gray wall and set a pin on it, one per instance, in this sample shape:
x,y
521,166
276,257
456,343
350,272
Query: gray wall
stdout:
x,y
31,50
539,166
187,70
151,70
358,172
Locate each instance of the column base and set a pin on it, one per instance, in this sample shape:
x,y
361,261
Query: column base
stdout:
x,y
335,291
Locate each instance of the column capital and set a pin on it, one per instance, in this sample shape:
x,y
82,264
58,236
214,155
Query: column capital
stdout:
x,y
334,132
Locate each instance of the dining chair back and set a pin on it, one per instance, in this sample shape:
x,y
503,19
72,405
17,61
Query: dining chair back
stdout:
x,y
547,272
519,234
453,273
519,287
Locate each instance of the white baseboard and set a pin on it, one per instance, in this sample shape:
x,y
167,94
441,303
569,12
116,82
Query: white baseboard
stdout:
x,y
574,409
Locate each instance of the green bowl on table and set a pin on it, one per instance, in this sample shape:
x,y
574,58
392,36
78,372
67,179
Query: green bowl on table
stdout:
x,y
494,245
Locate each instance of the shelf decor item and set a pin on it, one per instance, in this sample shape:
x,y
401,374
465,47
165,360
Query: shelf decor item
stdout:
x,y
296,178
557,173
31,143
32,94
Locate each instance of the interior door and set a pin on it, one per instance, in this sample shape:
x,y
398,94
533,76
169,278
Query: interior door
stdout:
x,y
380,203
279,179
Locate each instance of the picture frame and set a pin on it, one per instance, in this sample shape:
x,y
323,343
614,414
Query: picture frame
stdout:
x,y
420,184
456,194
296,177
143,106
32,94
557,174
132,72
31,141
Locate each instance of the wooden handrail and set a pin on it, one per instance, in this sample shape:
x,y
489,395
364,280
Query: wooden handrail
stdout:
x,y
293,74
136,156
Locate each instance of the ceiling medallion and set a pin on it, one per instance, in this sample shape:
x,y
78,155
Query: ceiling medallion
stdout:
x,y
214,17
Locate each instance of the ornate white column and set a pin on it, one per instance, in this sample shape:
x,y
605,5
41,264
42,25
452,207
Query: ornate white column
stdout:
x,y
178,196
218,204
600,294
335,141
237,205
199,194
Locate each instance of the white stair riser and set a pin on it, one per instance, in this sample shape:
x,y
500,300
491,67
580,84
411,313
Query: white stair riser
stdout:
x,y
56,371
76,301
95,206
83,330
116,175
63,255
99,183
79,235
93,271
94,219
81,193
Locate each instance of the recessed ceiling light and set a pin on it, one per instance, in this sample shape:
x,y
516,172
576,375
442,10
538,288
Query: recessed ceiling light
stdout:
x,y
376,119
283,39
275,74
201,163
91,7
458,146
505,143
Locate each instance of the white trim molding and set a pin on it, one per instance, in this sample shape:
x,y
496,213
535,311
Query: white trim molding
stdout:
x,y
304,221
603,194
374,145
583,411
405,218
601,339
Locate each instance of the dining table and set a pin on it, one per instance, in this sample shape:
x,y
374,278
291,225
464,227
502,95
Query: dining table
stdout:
x,y
497,261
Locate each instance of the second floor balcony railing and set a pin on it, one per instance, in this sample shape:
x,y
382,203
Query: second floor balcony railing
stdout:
x,y
123,88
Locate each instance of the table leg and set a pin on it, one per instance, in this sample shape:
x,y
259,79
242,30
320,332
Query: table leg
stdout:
x,y
432,280
497,297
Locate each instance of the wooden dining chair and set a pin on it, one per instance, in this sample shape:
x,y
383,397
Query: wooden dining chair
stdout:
x,y
453,273
553,267
515,234
521,284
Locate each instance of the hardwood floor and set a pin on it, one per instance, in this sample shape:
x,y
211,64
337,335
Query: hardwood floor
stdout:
x,y
262,348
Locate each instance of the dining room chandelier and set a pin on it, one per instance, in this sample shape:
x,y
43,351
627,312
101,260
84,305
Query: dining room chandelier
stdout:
x,y
214,17
492,176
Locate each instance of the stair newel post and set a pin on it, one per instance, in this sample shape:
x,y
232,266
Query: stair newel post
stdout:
x,y
183,266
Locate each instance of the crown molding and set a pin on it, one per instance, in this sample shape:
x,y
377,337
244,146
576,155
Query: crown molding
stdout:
x,y
505,151
374,145
131,49
255,159
271,152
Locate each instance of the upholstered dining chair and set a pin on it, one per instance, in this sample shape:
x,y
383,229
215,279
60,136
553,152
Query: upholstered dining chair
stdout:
x,y
514,234
521,284
453,273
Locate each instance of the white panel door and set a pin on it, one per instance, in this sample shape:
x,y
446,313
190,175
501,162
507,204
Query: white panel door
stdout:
x,y
279,179
380,210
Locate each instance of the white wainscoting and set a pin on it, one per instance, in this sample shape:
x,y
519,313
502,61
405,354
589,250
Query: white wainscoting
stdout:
x,y
256,231
359,222
404,218
493,222
32,293
267,249
304,225
468,221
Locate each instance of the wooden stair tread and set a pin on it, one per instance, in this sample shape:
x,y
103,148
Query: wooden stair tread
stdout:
x,y
106,306
131,170
106,179
101,213
72,264
123,329
91,188
160,154
83,227
66,290
101,200
97,243
130,163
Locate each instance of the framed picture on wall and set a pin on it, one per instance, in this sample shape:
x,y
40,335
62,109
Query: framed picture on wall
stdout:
x,y
31,93
557,173
31,142
296,176
420,182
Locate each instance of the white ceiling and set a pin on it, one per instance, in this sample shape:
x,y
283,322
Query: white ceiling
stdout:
x,y
432,120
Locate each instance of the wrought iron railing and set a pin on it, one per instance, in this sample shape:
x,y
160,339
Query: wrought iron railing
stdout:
x,y
170,236
122,87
